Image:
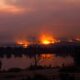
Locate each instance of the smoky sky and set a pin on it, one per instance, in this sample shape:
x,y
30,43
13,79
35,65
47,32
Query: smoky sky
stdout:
x,y
24,18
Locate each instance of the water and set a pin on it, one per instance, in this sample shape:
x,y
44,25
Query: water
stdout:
x,y
43,60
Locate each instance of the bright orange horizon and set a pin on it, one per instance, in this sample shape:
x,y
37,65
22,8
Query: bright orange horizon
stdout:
x,y
44,39
47,39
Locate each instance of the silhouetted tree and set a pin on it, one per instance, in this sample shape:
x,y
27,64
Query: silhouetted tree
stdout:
x,y
0,65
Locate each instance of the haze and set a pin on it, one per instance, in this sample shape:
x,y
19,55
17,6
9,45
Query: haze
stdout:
x,y
30,18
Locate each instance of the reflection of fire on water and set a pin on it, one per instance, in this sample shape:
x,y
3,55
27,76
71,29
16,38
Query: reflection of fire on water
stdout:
x,y
55,61
47,59
47,56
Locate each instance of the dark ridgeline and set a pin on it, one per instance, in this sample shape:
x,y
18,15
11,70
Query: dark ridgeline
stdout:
x,y
61,49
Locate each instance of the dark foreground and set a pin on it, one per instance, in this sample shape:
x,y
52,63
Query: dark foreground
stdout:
x,y
41,74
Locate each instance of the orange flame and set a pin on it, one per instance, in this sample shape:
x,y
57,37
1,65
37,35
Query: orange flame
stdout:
x,y
22,43
47,39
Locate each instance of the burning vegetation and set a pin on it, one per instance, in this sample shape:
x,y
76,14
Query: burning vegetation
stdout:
x,y
47,39
23,43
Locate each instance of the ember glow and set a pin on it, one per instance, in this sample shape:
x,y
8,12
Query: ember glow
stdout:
x,y
22,43
47,56
47,39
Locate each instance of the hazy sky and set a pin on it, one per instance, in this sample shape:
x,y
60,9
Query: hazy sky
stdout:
x,y
21,18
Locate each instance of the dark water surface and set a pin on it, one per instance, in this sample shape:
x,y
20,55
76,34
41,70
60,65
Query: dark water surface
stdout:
x,y
43,60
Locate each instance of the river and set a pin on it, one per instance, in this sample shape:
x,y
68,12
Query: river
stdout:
x,y
43,60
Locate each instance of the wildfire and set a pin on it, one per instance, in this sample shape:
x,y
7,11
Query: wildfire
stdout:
x,y
44,39
23,43
47,39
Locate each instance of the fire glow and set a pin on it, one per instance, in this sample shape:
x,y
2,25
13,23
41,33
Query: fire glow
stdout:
x,y
47,39
22,43
43,40
47,56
